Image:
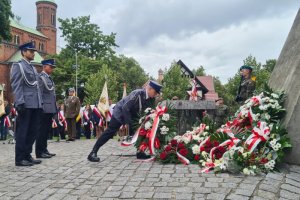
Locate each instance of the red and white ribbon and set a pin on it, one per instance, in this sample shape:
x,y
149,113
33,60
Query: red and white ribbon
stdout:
x,y
201,129
182,159
256,100
7,122
97,112
54,124
259,134
91,126
159,111
133,140
62,119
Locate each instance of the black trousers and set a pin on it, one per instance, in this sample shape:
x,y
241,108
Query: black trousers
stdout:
x,y
109,133
26,132
44,130
87,131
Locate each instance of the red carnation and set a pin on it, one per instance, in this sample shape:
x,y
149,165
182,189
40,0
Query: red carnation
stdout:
x,y
184,152
142,132
197,157
202,148
219,151
264,160
143,146
156,143
174,142
168,148
181,146
163,155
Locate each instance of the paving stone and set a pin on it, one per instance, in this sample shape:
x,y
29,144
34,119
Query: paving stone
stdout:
x,y
266,195
290,188
127,195
211,185
111,194
162,195
237,197
289,195
292,182
216,196
275,176
269,188
216,180
183,196
70,176
144,195
258,198
244,192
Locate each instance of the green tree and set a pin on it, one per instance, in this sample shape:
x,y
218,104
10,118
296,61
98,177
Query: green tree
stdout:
x,y
174,83
86,38
5,14
96,82
200,71
130,72
270,64
261,74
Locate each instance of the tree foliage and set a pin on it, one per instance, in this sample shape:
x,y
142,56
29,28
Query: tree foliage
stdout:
x,y
5,14
200,71
86,38
95,55
175,84
96,82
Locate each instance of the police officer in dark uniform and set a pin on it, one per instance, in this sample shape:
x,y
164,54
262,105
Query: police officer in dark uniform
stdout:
x,y
247,85
124,111
28,103
49,109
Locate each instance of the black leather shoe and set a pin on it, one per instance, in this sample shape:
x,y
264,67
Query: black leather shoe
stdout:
x,y
24,163
34,161
93,157
43,155
142,156
51,154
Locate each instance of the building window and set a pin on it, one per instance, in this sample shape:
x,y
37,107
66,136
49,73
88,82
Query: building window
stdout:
x,y
16,39
41,46
33,42
53,19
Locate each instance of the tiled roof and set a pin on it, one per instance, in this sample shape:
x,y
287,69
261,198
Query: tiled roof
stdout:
x,y
20,26
208,82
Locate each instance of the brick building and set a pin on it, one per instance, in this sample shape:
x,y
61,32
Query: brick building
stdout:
x,y
43,36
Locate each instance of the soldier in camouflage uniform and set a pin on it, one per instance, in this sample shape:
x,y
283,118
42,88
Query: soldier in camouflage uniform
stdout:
x,y
221,113
247,85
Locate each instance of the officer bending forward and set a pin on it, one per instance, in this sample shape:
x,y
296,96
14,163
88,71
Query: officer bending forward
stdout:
x,y
126,109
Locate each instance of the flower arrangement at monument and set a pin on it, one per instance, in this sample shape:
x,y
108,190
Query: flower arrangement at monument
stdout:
x,y
253,142
155,129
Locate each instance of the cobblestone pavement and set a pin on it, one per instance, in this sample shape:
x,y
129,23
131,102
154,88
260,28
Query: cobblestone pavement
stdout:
x,y
70,176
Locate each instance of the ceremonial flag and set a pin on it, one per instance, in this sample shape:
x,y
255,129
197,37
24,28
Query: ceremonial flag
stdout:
x,y
124,90
2,108
103,105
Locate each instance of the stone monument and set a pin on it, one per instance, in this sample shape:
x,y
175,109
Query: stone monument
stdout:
x,y
286,77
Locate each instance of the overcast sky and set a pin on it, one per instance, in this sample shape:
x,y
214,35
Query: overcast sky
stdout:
x,y
217,34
